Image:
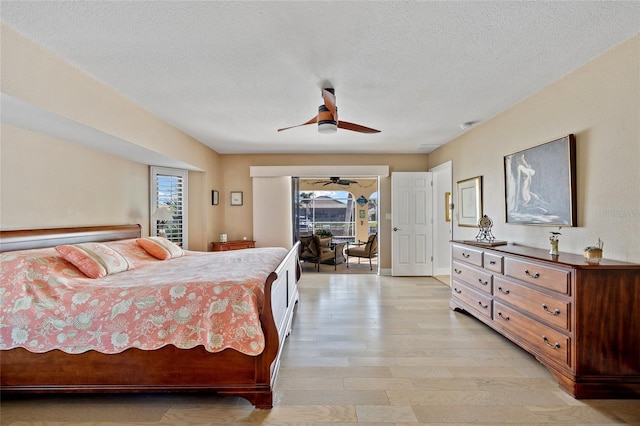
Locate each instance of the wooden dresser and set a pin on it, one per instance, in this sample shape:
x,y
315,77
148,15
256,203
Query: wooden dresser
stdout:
x,y
581,321
233,245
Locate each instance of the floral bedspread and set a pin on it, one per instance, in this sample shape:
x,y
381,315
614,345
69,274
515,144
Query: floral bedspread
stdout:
x,y
210,299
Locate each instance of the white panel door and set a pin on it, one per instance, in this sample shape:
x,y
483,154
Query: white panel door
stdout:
x,y
412,224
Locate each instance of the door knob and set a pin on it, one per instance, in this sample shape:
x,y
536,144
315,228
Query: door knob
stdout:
x,y
395,229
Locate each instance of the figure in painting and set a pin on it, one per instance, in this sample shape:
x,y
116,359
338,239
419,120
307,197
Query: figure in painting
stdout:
x,y
525,199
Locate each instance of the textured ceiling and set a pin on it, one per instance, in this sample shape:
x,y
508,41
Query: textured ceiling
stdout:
x,y
230,73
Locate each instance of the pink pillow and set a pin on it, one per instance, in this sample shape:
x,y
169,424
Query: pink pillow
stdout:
x,y
160,248
95,260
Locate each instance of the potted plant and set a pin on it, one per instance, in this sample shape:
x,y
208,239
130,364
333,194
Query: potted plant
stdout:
x,y
593,254
554,239
323,233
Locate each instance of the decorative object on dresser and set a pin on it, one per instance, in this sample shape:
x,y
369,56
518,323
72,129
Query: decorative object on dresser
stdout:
x,y
540,184
554,239
470,201
233,245
593,254
485,236
580,320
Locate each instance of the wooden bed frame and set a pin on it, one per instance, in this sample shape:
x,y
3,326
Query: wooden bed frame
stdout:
x,y
163,370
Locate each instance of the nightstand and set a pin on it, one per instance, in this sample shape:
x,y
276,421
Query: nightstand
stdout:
x,y
233,245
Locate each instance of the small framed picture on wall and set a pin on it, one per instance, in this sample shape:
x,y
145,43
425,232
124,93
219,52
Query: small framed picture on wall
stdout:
x,y
236,198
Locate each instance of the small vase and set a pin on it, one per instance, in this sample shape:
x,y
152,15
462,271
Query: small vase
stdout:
x,y
554,247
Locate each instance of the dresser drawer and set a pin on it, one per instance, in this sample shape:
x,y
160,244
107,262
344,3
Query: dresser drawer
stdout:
x,y
480,302
543,276
543,340
548,309
476,278
467,254
493,262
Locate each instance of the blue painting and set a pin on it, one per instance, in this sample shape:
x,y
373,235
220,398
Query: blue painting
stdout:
x,y
540,184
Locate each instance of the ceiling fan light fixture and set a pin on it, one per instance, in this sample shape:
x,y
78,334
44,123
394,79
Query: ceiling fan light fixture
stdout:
x,y
326,123
327,127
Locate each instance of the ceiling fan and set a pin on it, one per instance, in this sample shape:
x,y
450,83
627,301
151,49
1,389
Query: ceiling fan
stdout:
x,y
337,181
327,117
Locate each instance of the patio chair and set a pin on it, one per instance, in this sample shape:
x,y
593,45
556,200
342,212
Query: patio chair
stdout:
x,y
364,249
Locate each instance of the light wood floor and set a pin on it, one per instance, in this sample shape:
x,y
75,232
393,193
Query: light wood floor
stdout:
x,y
364,350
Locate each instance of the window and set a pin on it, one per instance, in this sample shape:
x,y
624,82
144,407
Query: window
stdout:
x,y
169,189
331,211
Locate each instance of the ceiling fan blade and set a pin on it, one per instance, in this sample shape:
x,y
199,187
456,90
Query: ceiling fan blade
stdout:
x,y
330,102
313,120
356,127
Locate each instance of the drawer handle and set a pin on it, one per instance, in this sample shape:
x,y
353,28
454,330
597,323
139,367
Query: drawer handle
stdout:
x,y
504,317
465,255
456,290
503,291
546,342
534,276
492,262
457,271
483,282
483,306
556,312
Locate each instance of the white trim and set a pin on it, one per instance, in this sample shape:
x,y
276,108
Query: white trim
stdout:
x,y
447,165
319,171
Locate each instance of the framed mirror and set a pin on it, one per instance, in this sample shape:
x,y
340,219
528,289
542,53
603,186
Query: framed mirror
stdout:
x,y
470,201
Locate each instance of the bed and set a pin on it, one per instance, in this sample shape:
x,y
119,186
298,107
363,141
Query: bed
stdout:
x,y
106,360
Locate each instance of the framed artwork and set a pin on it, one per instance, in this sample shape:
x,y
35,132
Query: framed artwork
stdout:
x,y
215,198
540,184
470,201
236,198
447,206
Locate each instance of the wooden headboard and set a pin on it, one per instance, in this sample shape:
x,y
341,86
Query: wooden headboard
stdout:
x,y
25,239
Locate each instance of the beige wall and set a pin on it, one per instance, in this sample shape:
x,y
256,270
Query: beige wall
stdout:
x,y
600,104
50,183
33,74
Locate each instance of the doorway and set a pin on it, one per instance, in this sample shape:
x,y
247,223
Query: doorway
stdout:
x,y
342,209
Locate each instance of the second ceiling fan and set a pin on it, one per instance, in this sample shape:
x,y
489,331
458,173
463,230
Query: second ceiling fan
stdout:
x,y
327,117
336,181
